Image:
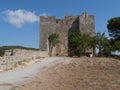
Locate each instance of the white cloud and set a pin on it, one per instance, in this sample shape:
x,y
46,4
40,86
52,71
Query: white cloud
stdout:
x,y
20,17
44,14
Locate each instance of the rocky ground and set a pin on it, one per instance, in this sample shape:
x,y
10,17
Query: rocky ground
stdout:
x,y
76,74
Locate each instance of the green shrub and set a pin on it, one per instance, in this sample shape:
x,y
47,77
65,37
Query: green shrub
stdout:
x,y
78,53
2,51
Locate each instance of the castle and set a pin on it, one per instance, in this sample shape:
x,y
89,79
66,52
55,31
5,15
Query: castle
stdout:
x,y
63,27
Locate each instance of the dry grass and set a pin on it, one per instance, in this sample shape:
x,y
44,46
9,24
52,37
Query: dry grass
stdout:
x,y
78,74
23,62
6,84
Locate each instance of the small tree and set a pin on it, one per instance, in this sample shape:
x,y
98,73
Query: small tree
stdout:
x,y
79,43
53,40
103,44
2,51
75,44
117,45
93,43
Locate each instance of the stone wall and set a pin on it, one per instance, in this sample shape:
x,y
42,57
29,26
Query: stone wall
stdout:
x,y
48,26
63,27
8,62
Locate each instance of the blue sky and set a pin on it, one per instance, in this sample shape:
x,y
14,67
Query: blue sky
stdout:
x,y
19,19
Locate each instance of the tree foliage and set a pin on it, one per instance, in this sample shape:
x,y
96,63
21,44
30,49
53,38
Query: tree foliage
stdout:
x,y
114,27
103,44
53,40
117,45
114,32
93,43
78,43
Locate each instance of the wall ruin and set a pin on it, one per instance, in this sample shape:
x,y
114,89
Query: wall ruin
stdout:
x,y
63,27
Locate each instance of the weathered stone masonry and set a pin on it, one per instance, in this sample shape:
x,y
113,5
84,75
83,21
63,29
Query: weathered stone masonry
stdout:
x,y
63,27
8,62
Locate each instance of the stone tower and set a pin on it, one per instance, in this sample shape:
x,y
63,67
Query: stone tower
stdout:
x,y
86,24
63,27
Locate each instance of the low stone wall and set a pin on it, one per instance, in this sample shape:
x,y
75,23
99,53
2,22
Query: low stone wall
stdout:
x,y
9,61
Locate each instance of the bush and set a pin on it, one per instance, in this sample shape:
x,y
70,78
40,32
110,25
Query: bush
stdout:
x,y
2,51
78,53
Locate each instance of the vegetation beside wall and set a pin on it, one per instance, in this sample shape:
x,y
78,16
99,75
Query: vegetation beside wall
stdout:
x,y
79,43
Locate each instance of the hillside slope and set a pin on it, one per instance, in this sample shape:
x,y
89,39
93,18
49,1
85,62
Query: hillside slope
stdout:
x,y
77,74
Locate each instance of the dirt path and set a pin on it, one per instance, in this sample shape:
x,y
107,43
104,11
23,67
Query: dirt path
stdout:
x,y
9,78
76,74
